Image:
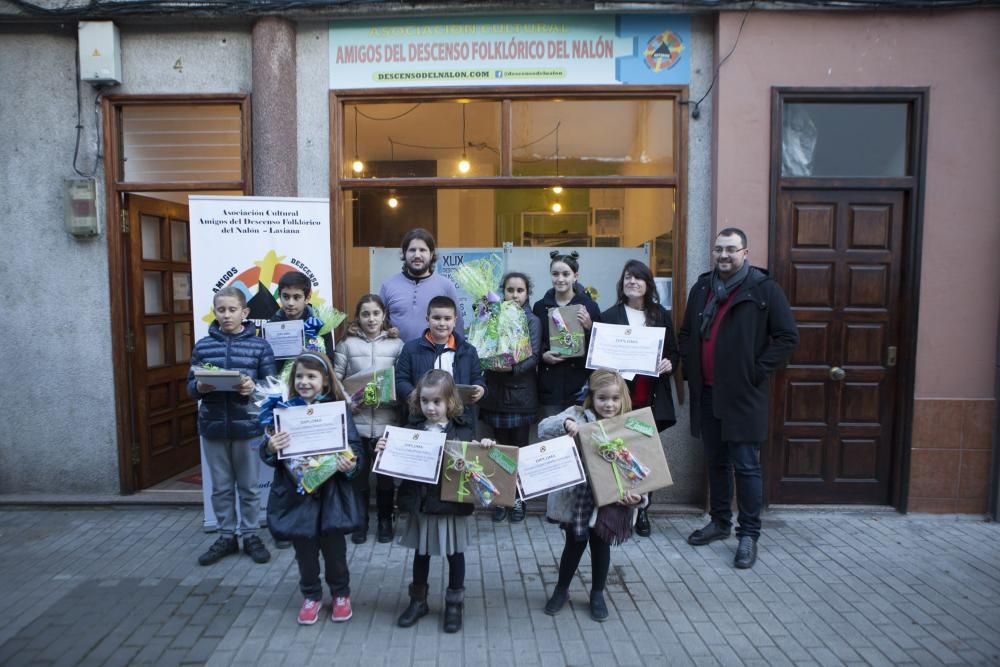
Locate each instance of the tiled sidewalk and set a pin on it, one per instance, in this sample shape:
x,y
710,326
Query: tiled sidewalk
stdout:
x,y
121,586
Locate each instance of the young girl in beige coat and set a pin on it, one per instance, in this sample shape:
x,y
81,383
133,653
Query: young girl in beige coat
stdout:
x,y
371,343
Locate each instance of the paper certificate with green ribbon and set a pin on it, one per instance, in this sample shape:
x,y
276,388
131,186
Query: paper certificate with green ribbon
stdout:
x,y
626,349
623,454
484,476
411,454
548,466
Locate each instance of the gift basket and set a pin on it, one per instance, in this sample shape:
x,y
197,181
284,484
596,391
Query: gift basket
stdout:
x,y
499,329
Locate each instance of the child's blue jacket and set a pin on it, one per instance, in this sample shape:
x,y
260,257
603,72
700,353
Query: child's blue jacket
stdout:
x,y
225,415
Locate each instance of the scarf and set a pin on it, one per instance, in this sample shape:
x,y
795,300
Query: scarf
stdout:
x,y
721,291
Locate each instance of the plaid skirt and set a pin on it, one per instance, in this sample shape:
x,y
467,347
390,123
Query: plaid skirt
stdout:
x,y
507,419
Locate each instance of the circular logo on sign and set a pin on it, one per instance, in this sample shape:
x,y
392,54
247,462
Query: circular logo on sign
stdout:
x,y
663,51
309,412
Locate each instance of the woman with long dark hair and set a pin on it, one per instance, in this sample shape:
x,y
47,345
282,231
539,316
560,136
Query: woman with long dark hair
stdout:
x,y
639,305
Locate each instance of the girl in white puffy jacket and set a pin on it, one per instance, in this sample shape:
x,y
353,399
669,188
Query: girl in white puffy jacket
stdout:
x,y
574,508
371,343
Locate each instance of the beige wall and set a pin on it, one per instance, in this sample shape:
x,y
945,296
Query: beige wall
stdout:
x,y
955,55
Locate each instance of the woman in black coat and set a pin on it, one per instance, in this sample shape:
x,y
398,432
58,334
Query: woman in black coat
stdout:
x,y
639,305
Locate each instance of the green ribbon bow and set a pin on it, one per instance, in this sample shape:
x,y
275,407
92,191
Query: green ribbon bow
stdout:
x,y
610,450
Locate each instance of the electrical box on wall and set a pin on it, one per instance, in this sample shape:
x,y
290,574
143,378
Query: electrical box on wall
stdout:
x,y
100,52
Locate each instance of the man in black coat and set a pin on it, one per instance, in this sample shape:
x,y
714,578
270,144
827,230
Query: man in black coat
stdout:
x,y
738,331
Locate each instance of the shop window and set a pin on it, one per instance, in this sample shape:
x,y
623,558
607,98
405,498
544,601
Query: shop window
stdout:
x,y
844,139
593,138
181,143
584,170
489,218
460,137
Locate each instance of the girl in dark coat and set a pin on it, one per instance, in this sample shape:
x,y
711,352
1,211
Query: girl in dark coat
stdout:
x,y
639,306
560,380
435,527
511,399
316,522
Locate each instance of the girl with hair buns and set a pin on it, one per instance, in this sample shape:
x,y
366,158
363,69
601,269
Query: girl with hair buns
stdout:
x,y
561,379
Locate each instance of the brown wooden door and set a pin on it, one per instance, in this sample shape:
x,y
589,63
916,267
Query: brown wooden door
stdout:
x,y
160,324
838,255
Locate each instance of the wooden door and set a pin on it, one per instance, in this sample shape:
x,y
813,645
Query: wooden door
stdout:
x,y
838,256
160,329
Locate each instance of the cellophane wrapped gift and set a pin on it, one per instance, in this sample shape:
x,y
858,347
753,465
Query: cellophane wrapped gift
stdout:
x,y
566,334
371,388
308,471
623,454
483,476
499,329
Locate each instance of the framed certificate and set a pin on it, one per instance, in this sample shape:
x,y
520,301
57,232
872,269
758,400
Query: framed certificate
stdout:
x,y
548,466
220,379
626,349
411,454
287,338
320,428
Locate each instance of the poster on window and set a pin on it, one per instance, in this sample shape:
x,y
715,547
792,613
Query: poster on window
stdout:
x,y
249,243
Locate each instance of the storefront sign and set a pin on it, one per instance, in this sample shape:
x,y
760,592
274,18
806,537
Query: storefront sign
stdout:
x,y
511,50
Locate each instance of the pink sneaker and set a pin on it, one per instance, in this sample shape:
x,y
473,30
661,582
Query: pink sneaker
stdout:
x,y
309,612
341,610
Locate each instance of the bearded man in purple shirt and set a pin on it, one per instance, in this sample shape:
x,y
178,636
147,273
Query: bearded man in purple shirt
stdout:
x,y
407,293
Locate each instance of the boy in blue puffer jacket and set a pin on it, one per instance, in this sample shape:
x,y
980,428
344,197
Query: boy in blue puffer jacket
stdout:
x,y
231,434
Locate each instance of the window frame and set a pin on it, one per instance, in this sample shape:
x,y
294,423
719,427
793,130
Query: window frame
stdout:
x,y
505,96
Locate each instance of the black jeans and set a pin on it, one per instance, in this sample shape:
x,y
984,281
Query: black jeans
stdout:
x,y
600,560
385,489
334,550
723,459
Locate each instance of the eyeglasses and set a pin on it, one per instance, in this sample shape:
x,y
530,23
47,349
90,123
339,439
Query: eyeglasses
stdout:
x,y
729,250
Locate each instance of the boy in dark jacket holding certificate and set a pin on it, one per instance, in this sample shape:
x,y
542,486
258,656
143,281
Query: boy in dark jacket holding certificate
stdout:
x,y
441,348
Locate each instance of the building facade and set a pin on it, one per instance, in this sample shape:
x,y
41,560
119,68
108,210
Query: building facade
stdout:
x,y
852,146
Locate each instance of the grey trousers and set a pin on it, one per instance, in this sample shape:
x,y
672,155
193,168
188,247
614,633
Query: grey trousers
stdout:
x,y
234,465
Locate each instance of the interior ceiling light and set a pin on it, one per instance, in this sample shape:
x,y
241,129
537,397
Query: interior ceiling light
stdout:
x,y
463,164
392,201
358,166
556,207
557,189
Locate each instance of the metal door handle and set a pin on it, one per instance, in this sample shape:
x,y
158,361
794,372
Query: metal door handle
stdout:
x,y
837,373
891,361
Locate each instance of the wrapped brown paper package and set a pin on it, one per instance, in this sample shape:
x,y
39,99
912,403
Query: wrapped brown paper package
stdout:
x,y
505,481
567,344
646,448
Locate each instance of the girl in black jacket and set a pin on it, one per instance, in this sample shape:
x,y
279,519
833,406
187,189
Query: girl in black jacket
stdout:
x,y
316,522
511,399
561,379
435,527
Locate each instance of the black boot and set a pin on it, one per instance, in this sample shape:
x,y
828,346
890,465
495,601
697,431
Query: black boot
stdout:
x,y
384,531
642,526
453,603
418,606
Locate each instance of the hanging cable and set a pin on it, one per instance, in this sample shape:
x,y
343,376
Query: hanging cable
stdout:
x,y
696,109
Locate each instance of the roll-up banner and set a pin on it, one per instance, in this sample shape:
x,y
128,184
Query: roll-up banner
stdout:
x,y
249,243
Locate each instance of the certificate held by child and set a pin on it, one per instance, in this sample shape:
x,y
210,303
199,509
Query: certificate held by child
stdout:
x,y
623,454
317,428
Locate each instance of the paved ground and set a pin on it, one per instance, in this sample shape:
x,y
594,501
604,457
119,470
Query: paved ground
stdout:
x,y
120,586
